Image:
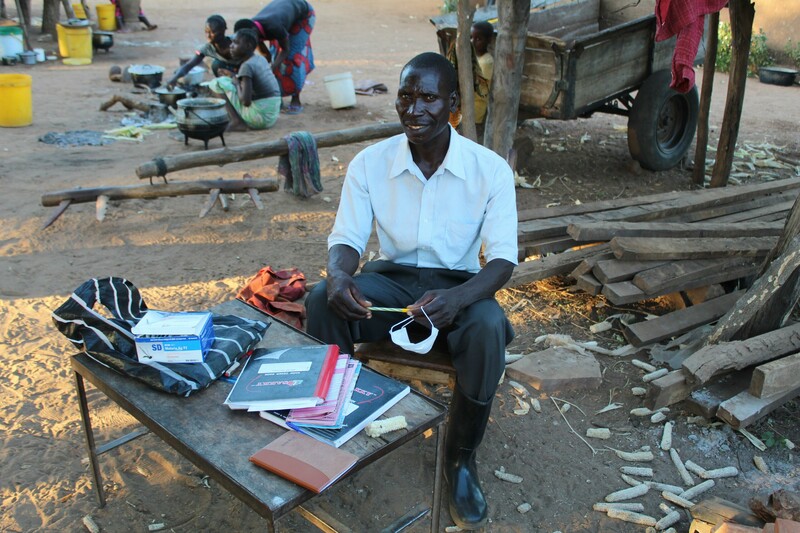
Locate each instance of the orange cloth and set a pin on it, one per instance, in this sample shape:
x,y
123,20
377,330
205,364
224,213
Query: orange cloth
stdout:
x,y
274,293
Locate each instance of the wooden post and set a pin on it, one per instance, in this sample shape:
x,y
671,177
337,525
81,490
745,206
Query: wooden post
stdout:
x,y
222,156
466,82
790,230
509,58
68,11
24,22
709,65
742,13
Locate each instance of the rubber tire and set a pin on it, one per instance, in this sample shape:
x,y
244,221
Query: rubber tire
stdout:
x,y
662,123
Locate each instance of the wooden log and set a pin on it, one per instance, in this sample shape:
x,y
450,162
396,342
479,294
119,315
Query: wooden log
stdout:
x,y
549,246
536,213
256,199
623,292
744,408
679,322
509,59
715,510
667,390
210,203
62,206
466,11
613,270
647,249
552,265
222,156
158,190
742,13
589,284
776,376
586,266
605,231
683,275
790,231
777,209
709,65
716,359
721,200
770,293
706,400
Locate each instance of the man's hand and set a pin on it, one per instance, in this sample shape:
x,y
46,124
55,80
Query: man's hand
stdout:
x,y
345,298
441,306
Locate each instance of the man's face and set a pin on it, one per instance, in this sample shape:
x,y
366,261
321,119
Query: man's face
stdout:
x,y
214,34
423,104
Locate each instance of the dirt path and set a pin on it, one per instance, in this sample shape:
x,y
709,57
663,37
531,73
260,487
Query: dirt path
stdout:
x,y
183,262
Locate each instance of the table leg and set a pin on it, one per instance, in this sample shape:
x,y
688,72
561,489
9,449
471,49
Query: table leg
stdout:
x,y
437,477
89,435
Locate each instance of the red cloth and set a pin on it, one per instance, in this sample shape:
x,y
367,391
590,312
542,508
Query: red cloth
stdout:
x,y
274,293
684,18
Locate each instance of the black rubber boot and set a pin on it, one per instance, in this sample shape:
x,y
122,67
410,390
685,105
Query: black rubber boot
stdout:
x,y
465,427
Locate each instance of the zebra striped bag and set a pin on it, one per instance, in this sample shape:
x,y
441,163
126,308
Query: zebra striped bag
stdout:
x,y
106,336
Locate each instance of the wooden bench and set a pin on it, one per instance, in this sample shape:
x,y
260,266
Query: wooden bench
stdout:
x,y
388,358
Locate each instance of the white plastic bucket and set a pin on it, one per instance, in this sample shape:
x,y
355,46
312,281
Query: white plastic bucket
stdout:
x,y
11,40
341,90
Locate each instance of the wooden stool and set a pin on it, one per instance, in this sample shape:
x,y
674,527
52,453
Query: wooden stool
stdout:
x,y
388,358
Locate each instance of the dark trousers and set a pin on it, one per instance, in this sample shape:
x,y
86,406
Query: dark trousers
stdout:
x,y
476,340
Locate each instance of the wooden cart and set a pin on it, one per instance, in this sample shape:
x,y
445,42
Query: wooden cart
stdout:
x,y
586,56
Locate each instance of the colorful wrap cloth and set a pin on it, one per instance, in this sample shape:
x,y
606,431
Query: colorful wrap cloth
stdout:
x,y
300,166
259,115
299,62
274,292
684,18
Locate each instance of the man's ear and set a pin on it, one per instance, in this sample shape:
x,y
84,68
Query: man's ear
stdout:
x,y
454,98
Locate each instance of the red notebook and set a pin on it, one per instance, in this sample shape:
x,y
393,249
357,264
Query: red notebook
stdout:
x,y
304,460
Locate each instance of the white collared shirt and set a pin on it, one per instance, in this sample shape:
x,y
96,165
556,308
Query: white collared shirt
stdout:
x,y
429,223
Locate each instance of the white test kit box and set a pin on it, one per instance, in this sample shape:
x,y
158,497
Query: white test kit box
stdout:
x,y
173,337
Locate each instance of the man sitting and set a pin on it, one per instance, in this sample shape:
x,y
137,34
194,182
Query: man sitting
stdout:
x,y
436,197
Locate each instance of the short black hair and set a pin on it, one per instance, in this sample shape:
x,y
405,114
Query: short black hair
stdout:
x,y
438,63
485,29
244,23
216,22
249,36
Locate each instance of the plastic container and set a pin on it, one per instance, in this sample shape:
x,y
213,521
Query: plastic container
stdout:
x,y
15,93
40,57
106,21
11,41
80,13
28,57
341,90
75,42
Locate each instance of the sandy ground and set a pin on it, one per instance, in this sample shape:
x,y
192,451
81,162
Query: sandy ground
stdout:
x,y
182,262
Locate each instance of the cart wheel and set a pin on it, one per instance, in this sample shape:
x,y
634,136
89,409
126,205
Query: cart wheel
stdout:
x,y
662,123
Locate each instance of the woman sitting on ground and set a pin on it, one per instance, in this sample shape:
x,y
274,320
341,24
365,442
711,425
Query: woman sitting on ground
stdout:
x,y
253,98
218,48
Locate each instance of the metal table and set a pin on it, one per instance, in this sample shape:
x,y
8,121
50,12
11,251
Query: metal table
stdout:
x,y
219,441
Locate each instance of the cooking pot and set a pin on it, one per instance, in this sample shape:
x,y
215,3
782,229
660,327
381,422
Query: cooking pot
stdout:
x,y
777,75
194,76
170,97
102,40
149,75
202,118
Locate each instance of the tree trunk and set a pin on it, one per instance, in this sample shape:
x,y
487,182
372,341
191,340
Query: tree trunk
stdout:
x,y
709,65
741,13
50,15
512,32
466,81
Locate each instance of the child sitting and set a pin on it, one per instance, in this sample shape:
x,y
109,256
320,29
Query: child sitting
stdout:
x,y
253,97
481,36
218,48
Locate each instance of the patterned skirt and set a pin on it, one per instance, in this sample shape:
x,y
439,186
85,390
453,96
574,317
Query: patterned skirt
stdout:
x,y
300,61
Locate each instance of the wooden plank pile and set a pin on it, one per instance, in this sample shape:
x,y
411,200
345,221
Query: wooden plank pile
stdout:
x,y
686,242
674,240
